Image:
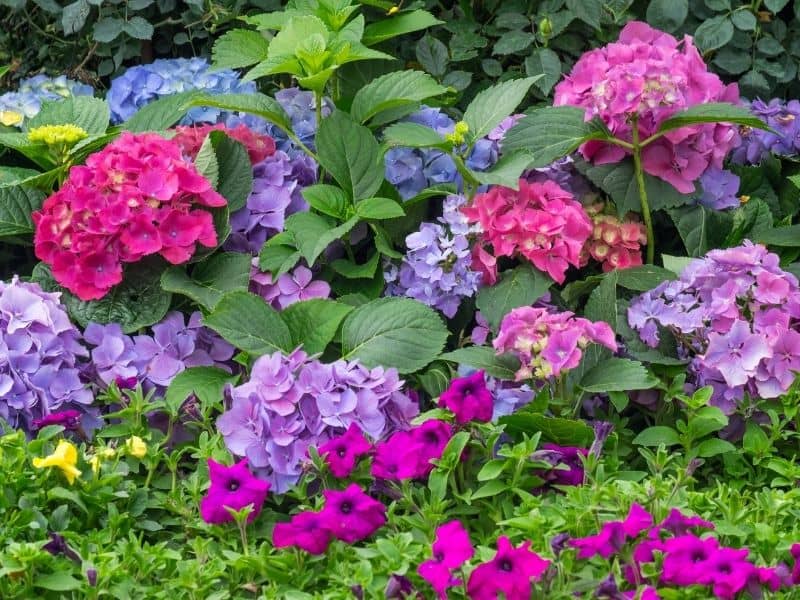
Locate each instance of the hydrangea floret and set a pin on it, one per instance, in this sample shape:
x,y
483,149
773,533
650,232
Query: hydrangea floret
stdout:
x,y
26,101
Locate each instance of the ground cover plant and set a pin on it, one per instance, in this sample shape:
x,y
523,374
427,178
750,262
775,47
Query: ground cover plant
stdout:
x,y
335,299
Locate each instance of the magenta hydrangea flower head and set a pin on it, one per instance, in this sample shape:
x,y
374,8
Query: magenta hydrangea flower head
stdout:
x,y
510,572
306,530
351,515
541,223
232,487
549,343
614,534
468,398
641,80
451,549
342,452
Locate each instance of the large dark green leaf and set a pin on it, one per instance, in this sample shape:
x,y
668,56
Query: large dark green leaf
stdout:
x,y
249,323
521,286
210,279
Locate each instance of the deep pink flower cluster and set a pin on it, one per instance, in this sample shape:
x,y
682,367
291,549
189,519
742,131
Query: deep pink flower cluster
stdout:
x,y
348,515
644,78
234,488
510,572
614,244
541,222
408,454
549,343
191,137
469,399
686,558
136,197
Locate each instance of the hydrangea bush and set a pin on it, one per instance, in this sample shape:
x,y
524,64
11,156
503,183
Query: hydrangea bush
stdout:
x,y
319,329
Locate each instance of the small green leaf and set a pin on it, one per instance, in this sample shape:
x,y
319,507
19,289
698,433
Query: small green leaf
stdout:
x,y
618,375
494,104
668,15
351,270
713,112
257,104
327,199
413,135
502,366
90,114
506,171
544,63
160,114
567,432
60,581
657,435
404,22
521,286
239,48
207,383
399,88
314,323
714,447
210,279
489,489
16,206
714,33
313,233
379,208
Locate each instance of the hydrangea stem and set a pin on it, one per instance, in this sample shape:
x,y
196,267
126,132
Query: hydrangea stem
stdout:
x,y
646,216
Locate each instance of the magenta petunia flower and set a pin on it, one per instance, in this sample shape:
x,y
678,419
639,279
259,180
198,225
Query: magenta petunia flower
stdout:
x,y
351,515
510,572
566,462
69,419
679,524
305,530
613,534
232,487
468,398
342,452
397,458
451,549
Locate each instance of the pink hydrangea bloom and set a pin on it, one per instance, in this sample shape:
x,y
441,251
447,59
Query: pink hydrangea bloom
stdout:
x,y
232,487
651,75
451,549
614,244
510,572
138,196
342,452
548,343
541,222
191,137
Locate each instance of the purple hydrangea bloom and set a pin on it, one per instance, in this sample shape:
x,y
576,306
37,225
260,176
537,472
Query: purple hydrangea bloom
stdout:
x,y
277,185
784,119
142,84
289,288
436,268
735,315
564,173
26,101
40,357
154,360
720,188
293,402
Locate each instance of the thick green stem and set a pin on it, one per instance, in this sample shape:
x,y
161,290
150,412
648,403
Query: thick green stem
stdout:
x,y
646,216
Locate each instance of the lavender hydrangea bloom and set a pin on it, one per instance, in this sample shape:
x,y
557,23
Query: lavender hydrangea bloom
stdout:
x,y
40,357
436,268
26,101
154,360
720,187
289,288
784,119
293,402
277,185
564,173
142,84
301,108
735,315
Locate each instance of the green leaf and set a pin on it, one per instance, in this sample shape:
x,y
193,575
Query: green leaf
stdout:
x,y
502,366
239,48
413,135
550,133
160,114
60,581
327,199
277,259
379,208
544,63
399,88
512,42
566,432
393,332
619,182
618,375
713,33
714,447
432,55
494,104
257,104
234,168
314,323
506,171
492,469
643,278
405,22
668,15
744,20
210,279
657,435
313,233
602,303
755,441
713,112
700,228
295,33
74,15
107,29
785,237
351,270
489,489
349,152
676,264
90,114
249,323
137,302
207,383
16,206
521,286
588,11
139,28
775,6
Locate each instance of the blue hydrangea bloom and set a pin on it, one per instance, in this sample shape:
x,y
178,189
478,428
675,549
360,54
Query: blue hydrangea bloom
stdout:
x,y
26,101
719,189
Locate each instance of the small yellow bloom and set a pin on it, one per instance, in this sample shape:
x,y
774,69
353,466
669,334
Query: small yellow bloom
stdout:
x,y
744,199
393,10
457,137
65,458
10,118
94,461
136,446
108,453
57,134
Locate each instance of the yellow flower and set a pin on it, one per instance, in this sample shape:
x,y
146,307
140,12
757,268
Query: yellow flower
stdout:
x,y
57,134
10,118
136,446
94,461
457,137
393,10
108,453
65,458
